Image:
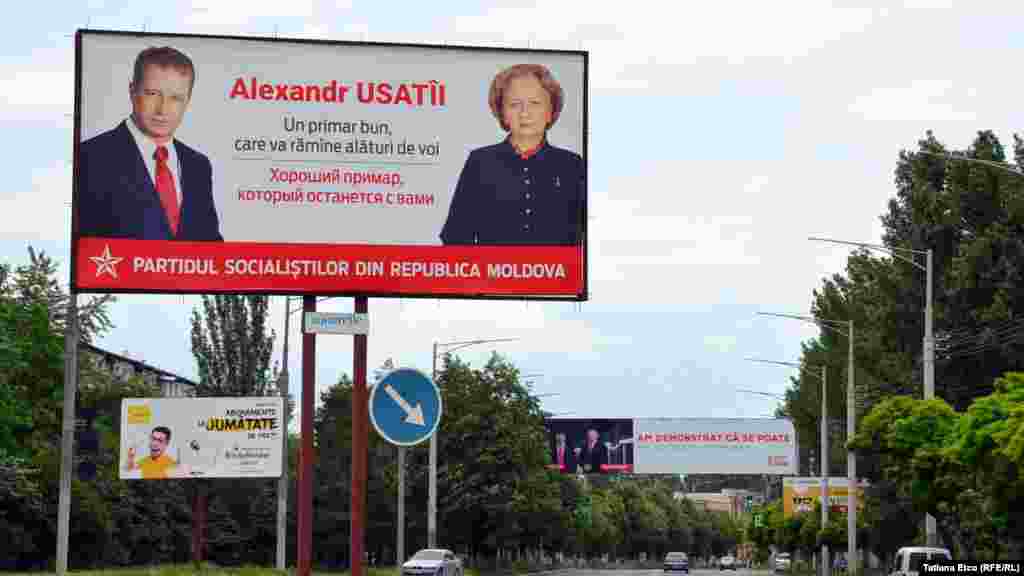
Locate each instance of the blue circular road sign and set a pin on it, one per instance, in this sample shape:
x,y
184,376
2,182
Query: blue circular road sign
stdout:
x,y
405,407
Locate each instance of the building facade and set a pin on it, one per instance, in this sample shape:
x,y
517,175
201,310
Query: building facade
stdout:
x,y
124,367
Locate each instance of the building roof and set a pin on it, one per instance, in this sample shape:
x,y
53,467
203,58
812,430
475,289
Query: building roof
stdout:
x,y
138,365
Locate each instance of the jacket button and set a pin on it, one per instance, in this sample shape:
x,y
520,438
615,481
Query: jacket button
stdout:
x,y
526,227
527,181
529,211
528,196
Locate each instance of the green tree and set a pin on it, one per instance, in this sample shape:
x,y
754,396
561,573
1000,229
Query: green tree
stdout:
x,y
491,442
909,437
232,346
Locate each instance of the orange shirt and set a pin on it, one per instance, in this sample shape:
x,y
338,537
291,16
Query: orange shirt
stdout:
x,y
152,469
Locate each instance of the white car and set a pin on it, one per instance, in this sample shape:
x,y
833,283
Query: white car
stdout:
x,y
433,562
909,559
727,563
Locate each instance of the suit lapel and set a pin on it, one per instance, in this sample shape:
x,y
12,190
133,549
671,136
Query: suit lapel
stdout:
x,y
147,199
185,203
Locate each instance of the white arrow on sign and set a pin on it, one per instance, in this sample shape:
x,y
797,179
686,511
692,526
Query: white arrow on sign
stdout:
x,y
412,415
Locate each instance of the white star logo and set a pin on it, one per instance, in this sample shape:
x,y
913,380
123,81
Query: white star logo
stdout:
x,y
105,262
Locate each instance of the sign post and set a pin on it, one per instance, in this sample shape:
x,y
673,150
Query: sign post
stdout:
x,y
405,408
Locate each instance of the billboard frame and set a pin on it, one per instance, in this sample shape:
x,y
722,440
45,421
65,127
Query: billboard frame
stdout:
x,y
581,296
124,422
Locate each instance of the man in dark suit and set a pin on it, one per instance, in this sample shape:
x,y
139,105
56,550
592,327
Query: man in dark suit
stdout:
x,y
563,455
593,453
136,181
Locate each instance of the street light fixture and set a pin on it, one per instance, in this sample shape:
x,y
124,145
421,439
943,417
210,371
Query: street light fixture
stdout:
x,y
825,472
851,420
990,163
929,336
282,483
448,348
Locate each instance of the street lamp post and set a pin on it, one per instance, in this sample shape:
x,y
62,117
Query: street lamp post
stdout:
x,y
851,424
931,534
990,163
825,566
282,483
432,475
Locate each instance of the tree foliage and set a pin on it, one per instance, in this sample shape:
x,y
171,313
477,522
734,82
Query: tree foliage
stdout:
x,y
961,467
232,347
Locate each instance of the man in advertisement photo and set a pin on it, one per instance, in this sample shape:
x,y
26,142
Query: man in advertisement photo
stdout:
x,y
158,465
523,190
564,457
593,453
136,180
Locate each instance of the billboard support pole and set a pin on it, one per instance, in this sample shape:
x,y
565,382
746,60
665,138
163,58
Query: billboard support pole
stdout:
x,y
67,439
198,520
305,504
360,425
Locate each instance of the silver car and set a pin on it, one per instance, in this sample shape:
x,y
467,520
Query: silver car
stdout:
x,y
433,562
782,562
676,562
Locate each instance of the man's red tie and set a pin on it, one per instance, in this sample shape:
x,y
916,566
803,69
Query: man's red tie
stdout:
x,y
165,188
561,456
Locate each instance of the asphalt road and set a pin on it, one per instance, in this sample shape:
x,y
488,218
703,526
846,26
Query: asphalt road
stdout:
x,y
693,572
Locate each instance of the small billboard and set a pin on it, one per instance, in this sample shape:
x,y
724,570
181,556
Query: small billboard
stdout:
x,y
234,437
802,494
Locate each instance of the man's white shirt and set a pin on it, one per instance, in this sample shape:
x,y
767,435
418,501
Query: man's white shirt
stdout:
x,y
148,149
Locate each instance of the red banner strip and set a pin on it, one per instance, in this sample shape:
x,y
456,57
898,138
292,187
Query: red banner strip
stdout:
x,y
156,265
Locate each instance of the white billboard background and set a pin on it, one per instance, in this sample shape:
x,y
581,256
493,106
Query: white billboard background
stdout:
x,y
221,454
714,446
214,121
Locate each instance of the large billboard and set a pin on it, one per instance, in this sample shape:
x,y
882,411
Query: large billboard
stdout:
x,y
672,445
802,494
221,164
201,438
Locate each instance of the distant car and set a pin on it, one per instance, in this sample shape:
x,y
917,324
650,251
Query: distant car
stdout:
x,y
840,564
727,563
433,562
677,562
782,562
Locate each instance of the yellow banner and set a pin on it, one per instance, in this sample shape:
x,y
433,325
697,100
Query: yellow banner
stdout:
x,y
803,494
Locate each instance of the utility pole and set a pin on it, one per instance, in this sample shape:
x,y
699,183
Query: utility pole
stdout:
x,y
67,439
432,473
928,347
282,483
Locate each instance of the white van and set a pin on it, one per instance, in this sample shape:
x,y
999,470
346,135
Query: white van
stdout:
x,y
908,560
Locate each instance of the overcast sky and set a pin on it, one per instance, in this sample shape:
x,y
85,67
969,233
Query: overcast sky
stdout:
x,y
723,134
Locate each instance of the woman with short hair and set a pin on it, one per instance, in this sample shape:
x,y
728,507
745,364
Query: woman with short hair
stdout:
x,y
522,190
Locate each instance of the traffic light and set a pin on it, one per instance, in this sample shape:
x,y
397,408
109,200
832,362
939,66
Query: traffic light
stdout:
x,y
748,503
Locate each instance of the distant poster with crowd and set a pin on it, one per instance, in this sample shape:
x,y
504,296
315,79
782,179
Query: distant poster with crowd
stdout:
x,y
591,446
